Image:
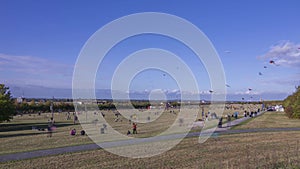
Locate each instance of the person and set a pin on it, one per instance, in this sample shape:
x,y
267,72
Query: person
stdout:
x,y
236,115
220,122
134,131
73,132
49,131
68,116
229,120
75,118
206,117
104,126
82,132
128,132
180,121
50,127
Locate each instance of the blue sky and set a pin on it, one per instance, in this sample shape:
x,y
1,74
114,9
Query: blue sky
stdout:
x,y
40,42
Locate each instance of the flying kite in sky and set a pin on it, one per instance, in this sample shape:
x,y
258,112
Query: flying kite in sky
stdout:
x,y
273,62
210,91
249,89
265,67
259,73
227,85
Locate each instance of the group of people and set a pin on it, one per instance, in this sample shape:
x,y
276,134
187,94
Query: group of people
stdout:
x,y
251,114
51,127
235,115
208,116
73,132
75,117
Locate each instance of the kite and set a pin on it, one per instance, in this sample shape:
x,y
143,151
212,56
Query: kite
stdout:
x,y
249,89
242,98
273,62
259,73
265,67
210,91
227,85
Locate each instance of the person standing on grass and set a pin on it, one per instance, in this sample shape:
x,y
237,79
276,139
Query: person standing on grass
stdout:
x,y
134,131
75,118
228,120
50,127
49,130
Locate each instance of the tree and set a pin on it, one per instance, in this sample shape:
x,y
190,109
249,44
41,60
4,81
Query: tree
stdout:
x,y
7,106
292,104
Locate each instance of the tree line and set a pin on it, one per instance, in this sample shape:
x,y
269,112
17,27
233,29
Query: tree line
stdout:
x,y
10,107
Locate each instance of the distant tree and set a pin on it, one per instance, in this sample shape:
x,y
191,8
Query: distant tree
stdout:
x,y
7,106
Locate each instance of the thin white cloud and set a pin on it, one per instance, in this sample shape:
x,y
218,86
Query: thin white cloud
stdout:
x,y
34,70
284,53
289,80
33,65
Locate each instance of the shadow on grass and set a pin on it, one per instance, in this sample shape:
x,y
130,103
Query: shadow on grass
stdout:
x,y
28,126
22,134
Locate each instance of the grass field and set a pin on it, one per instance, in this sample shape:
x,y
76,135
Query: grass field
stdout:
x,y
18,136
270,120
244,150
252,150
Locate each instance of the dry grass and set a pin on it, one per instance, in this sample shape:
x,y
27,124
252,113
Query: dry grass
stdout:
x,y
270,120
17,135
252,150
20,137
247,150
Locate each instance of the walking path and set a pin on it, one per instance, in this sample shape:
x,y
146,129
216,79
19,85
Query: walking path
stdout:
x,y
71,149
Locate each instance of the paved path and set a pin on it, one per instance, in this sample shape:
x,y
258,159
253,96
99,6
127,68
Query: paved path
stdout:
x,y
55,151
